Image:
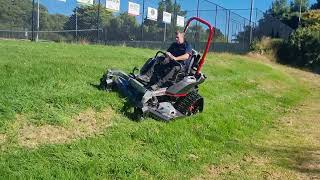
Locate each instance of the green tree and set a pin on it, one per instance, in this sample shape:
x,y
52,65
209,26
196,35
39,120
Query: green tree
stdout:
x,y
123,27
86,18
279,9
316,5
15,15
288,14
295,5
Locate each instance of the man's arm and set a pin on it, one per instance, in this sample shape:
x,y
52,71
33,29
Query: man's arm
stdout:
x,y
183,57
179,58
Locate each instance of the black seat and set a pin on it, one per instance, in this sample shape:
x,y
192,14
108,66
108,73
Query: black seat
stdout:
x,y
190,67
192,63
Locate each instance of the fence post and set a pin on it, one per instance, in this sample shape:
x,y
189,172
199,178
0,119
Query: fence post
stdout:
x,y
197,33
251,9
165,24
226,25
215,17
229,26
142,22
215,25
98,22
32,22
244,34
38,20
77,23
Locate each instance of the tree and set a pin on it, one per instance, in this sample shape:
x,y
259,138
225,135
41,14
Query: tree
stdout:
x,y
15,15
279,9
86,18
316,5
295,5
123,27
288,14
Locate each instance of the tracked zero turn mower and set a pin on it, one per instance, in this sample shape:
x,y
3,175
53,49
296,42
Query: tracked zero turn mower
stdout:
x,y
177,100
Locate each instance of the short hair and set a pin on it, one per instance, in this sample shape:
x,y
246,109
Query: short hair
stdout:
x,y
179,32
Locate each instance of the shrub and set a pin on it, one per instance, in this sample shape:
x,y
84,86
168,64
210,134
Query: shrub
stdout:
x,y
311,18
267,46
303,48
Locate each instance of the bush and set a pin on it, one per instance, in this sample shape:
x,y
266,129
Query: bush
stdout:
x,y
267,46
302,49
311,18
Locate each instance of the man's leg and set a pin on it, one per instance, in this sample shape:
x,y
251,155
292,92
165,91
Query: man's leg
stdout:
x,y
148,69
164,74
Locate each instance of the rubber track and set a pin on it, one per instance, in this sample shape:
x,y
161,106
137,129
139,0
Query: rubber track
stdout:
x,y
184,103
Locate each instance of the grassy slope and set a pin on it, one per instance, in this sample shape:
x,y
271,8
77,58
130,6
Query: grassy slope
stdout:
x,y
49,83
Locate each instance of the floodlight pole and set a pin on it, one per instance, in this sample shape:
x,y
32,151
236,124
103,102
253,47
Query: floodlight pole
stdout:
x,y
251,9
38,19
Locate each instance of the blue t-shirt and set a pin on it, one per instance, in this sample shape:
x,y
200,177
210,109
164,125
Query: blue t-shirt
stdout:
x,y
180,49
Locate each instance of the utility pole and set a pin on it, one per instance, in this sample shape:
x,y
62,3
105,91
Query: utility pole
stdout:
x,y
38,21
251,9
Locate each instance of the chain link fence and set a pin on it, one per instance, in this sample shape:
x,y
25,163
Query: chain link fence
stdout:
x,y
69,21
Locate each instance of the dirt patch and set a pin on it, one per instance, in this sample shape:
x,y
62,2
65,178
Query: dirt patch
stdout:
x,y
2,139
216,171
274,87
85,124
249,167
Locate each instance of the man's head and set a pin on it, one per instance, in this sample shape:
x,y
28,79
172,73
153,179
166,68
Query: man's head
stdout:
x,y
179,37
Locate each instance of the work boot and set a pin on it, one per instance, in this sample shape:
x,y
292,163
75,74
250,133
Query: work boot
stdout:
x,y
143,78
155,87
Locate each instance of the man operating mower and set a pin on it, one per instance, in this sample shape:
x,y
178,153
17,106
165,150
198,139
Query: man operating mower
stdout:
x,y
159,72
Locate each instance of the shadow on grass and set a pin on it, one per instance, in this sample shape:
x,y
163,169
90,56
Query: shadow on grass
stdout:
x,y
305,160
128,110
131,112
97,86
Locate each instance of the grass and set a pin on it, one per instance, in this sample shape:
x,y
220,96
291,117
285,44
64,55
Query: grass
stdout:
x,y
50,83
